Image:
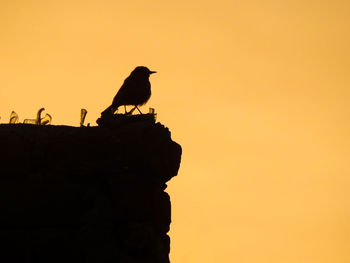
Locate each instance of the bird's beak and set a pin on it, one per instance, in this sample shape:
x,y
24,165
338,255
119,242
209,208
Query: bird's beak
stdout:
x,y
151,72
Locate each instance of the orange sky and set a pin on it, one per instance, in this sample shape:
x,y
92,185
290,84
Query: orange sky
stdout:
x,y
256,92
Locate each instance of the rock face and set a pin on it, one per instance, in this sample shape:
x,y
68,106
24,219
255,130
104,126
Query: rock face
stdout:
x,y
86,194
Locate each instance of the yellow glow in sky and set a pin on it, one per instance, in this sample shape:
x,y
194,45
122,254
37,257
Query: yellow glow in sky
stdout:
x,y
256,92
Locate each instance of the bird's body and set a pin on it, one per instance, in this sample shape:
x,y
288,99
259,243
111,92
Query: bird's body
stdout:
x,y
136,90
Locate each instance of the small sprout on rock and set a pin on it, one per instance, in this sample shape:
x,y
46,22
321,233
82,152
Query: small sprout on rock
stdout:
x,y
152,111
13,118
29,121
46,120
38,116
83,113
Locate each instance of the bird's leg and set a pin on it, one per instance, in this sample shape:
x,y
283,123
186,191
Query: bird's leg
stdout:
x,y
138,109
132,110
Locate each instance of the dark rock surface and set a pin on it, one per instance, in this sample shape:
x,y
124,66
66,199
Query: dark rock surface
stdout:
x,y
86,194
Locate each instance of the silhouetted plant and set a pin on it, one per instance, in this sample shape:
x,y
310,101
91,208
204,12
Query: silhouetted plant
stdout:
x,y
39,121
13,118
83,113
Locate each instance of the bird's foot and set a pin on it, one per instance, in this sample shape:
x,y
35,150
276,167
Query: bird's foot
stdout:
x,y
130,112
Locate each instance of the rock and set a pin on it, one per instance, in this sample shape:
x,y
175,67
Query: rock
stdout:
x,y
86,194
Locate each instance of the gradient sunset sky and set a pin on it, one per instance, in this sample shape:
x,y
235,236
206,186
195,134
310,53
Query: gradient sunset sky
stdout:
x,y
256,92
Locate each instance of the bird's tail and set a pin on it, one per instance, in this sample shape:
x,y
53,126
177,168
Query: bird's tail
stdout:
x,y
107,111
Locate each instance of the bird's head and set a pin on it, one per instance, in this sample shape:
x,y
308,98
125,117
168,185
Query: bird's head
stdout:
x,y
142,71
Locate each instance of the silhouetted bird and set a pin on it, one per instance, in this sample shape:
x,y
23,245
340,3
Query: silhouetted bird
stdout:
x,y
136,91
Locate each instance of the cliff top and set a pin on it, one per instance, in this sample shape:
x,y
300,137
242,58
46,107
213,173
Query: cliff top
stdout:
x,y
121,143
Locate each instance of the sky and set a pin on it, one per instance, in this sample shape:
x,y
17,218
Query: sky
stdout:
x,y
255,91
